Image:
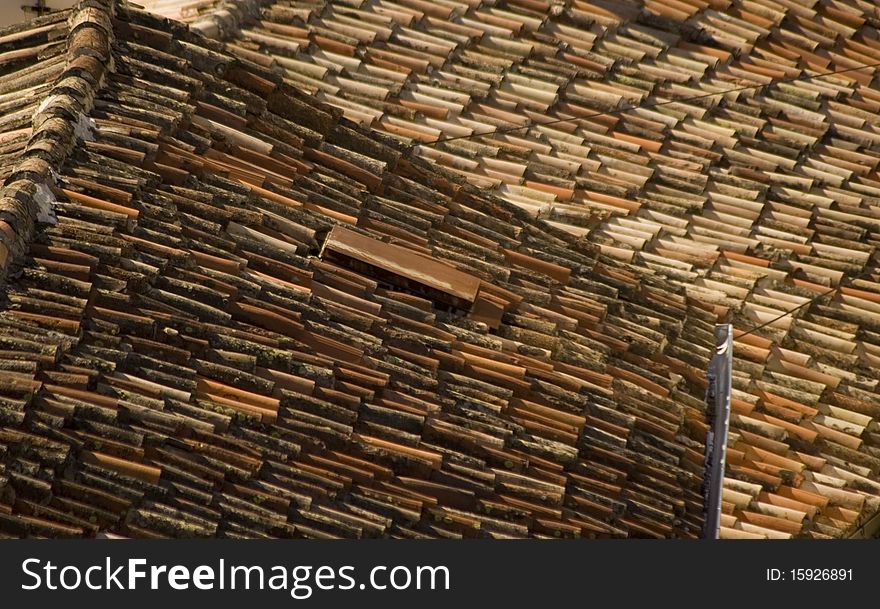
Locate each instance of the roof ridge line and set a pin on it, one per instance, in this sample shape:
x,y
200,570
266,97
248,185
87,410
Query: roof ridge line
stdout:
x,y
58,123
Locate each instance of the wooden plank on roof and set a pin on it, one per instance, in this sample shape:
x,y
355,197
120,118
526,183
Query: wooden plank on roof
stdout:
x,y
402,263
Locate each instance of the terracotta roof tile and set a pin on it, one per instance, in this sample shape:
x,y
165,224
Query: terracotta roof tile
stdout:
x,y
214,367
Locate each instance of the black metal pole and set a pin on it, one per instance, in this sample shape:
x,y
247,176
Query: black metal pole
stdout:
x,y
39,7
718,411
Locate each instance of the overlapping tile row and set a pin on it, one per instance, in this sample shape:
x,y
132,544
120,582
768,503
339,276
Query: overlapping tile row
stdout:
x,y
32,57
752,201
253,318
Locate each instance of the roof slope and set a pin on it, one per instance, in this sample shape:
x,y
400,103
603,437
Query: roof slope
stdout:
x,y
753,201
249,318
238,325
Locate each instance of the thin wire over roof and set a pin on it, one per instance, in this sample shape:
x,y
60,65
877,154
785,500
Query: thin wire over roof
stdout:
x,y
180,360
